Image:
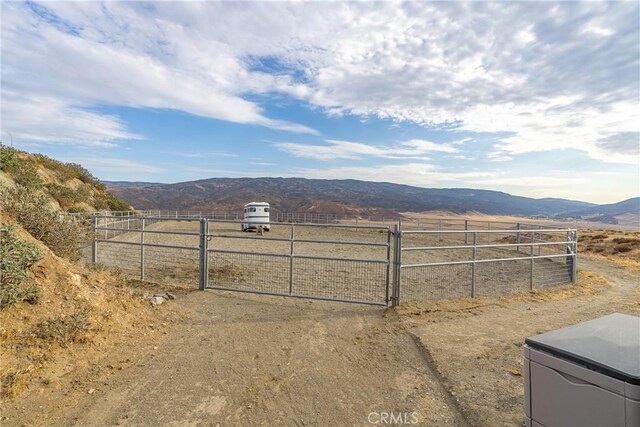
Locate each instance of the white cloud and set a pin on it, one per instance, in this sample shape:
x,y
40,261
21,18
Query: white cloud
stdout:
x,y
116,169
419,174
67,71
531,181
42,119
551,75
203,154
335,149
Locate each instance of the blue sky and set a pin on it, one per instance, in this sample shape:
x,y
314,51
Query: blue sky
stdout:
x,y
539,99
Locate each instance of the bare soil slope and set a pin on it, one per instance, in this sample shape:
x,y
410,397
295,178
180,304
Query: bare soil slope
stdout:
x,y
80,313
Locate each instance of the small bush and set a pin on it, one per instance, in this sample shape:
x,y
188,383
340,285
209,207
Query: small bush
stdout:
x,y
32,210
16,257
23,171
64,330
598,237
622,249
65,196
75,209
626,240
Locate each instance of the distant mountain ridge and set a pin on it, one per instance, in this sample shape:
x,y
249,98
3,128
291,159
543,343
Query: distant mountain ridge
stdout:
x,y
333,196
626,211
620,208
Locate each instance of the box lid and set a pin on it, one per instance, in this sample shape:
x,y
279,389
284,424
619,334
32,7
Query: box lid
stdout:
x,y
609,344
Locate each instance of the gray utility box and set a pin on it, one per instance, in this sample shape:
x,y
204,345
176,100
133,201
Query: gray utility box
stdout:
x,y
584,375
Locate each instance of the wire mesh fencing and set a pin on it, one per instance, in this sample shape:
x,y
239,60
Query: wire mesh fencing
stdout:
x,y
328,261
439,264
364,263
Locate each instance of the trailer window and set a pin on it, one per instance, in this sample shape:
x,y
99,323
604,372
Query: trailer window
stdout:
x,y
252,209
266,209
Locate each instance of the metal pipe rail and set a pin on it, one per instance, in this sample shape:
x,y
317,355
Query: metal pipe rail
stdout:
x,y
313,297
282,239
512,231
478,261
147,231
240,221
155,245
499,245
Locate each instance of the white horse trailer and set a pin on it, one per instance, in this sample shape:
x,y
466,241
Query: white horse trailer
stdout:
x,y
256,214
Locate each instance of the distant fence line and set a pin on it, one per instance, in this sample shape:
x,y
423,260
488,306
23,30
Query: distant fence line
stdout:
x,y
317,218
339,259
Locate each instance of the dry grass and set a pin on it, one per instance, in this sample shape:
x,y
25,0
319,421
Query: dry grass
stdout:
x,y
64,330
587,283
620,247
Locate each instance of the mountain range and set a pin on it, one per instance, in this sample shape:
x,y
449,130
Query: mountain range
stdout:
x,y
349,197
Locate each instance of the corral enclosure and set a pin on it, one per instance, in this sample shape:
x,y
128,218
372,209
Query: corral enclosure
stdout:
x,y
369,262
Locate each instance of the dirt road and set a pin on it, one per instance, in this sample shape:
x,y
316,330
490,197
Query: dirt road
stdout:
x,y
218,358
236,359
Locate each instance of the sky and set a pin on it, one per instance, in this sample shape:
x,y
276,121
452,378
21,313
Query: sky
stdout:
x,y
539,99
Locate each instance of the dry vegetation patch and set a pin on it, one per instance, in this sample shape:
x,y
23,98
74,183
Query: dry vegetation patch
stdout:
x,y
78,315
587,283
620,247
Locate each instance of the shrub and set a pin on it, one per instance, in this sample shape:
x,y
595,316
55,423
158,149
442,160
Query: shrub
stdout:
x,y
625,240
622,249
75,209
65,329
117,204
32,210
65,196
23,171
16,257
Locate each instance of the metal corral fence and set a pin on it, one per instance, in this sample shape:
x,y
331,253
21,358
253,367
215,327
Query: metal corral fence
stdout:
x,y
436,264
364,263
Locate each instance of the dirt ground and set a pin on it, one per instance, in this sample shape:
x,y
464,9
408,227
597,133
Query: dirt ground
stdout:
x,y
220,358
476,345
235,359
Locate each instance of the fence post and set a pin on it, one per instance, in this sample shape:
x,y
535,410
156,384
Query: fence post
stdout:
x,y
531,254
473,265
204,255
142,249
571,255
518,237
397,264
387,276
539,238
575,256
291,253
94,247
466,228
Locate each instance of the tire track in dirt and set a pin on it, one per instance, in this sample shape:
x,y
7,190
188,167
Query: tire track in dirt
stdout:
x,y
236,359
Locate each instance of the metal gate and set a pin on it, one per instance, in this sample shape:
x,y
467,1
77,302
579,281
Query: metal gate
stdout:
x,y
335,262
328,262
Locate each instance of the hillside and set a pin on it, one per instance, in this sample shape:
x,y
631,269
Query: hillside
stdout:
x,y
624,212
56,315
331,196
69,186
